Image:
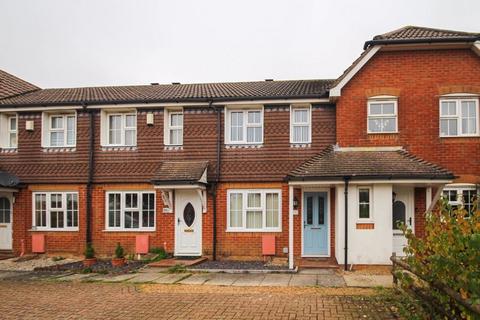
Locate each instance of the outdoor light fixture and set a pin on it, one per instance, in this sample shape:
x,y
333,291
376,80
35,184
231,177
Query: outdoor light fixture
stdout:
x,y
295,203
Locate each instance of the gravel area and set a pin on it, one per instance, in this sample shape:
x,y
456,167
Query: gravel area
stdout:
x,y
27,264
102,266
237,265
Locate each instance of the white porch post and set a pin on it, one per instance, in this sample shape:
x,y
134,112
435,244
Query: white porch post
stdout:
x,y
290,227
428,195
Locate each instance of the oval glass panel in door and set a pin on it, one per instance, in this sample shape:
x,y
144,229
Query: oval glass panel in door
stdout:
x,y
399,214
189,214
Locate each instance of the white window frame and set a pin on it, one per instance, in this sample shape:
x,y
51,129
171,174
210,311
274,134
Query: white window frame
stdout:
x,y
460,189
168,127
10,131
370,203
106,128
123,210
458,116
263,207
293,108
47,129
246,125
48,195
382,100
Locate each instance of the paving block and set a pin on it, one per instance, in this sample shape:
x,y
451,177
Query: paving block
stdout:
x,y
368,281
121,278
197,278
76,277
305,280
171,278
330,281
249,279
318,271
223,279
145,277
276,280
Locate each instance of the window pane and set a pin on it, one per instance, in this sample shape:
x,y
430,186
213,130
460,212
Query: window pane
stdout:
x,y
148,210
448,108
131,200
40,210
72,210
321,210
176,136
374,125
300,116
254,117
132,219
13,124
236,124
448,127
309,210
13,140
130,121
300,134
375,108
388,124
236,203
364,203
56,219
388,108
254,200
364,195
272,210
130,137
56,122
399,214
56,139
364,210
114,210
70,130
254,134
254,219
176,119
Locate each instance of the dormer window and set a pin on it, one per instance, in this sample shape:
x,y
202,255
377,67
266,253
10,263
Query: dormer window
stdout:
x,y
59,130
382,115
459,117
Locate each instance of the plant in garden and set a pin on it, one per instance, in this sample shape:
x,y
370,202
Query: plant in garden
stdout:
x,y
89,251
119,252
447,257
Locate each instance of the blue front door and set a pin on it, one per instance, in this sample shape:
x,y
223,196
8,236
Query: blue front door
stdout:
x,y
315,224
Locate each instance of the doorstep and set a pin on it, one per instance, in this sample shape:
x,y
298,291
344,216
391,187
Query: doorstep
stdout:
x,y
236,271
171,262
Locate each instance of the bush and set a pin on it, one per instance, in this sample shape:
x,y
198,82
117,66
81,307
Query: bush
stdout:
x,y
160,253
449,255
119,252
89,251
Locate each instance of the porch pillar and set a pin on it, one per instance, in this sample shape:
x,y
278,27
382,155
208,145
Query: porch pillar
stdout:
x,y
290,227
428,195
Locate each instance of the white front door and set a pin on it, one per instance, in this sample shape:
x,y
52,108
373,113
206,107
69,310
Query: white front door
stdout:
x,y
188,223
402,211
5,223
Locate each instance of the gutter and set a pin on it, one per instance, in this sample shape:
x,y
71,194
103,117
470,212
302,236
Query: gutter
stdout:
x,y
370,177
413,41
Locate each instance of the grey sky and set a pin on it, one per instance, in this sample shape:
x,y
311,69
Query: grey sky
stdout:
x,y
86,43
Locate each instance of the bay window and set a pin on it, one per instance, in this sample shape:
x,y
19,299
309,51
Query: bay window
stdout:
x,y
244,126
254,210
300,124
132,210
56,211
382,116
459,117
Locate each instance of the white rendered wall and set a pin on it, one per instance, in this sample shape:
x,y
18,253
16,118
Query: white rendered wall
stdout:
x,y
365,246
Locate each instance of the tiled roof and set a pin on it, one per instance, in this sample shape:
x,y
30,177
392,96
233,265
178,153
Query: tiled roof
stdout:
x,y
13,86
175,93
416,34
335,163
180,172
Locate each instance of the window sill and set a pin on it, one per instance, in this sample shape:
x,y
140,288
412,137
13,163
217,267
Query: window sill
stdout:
x,y
465,136
9,150
59,149
119,148
300,145
253,231
129,230
173,147
54,230
243,146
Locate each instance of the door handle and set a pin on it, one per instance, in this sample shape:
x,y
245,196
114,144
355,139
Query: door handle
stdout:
x,y
178,220
410,221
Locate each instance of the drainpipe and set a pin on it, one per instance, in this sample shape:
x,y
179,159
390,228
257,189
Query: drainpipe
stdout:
x,y
91,163
217,178
346,179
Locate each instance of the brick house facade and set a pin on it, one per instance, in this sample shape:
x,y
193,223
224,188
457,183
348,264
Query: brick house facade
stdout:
x,y
246,161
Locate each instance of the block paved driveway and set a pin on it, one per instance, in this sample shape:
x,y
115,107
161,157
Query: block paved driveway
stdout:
x,y
79,300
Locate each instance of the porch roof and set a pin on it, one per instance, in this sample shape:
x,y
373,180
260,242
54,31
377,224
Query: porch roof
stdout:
x,y
8,180
389,163
181,172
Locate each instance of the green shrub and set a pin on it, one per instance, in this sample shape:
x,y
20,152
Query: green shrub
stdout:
x,y
159,252
119,252
89,251
449,254
178,268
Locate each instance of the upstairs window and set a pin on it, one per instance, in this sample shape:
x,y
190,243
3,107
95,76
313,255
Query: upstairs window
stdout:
x,y
119,129
244,126
459,117
59,130
173,127
382,116
12,132
300,124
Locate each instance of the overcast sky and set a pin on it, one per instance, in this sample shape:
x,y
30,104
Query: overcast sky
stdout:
x,y
88,43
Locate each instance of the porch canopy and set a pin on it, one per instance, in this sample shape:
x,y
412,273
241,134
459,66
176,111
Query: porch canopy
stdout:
x,y
8,181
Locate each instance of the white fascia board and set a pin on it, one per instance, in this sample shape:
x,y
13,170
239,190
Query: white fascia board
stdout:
x,y
180,186
337,90
40,108
353,181
476,47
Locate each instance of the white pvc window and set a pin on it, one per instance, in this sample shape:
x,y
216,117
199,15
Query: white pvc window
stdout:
x,y
300,124
364,203
55,211
122,129
174,130
12,132
130,211
459,117
382,116
464,195
61,130
254,210
244,126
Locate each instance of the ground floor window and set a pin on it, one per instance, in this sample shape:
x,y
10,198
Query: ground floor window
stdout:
x,y
55,211
254,210
132,210
457,196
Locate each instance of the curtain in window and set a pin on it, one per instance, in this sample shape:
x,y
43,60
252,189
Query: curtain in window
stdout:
x,y
236,202
272,210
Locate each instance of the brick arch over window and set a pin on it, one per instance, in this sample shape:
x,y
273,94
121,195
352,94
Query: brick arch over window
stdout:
x,y
382,91
443,90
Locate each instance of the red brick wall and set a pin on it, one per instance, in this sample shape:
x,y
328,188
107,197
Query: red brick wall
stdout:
x,y
420,208
418,78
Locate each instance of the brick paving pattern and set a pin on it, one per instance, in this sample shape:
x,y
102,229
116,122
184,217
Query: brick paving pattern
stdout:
x,y
74,300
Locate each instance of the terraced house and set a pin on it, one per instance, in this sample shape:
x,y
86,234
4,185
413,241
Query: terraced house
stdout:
x,y
305,170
